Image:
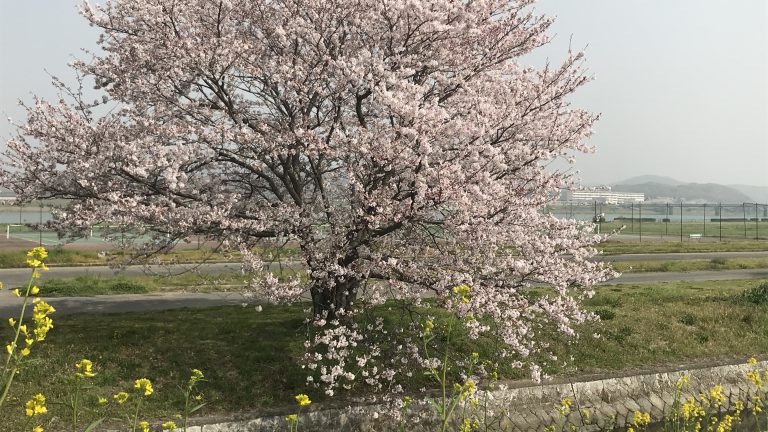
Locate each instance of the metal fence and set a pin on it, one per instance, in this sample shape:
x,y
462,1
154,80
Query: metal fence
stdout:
x,y
673,220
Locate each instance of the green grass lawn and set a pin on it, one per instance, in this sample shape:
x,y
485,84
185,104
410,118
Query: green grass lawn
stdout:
x,y
94,285
613,247
691,265
729,230
234,281
188,282
69,257
251,358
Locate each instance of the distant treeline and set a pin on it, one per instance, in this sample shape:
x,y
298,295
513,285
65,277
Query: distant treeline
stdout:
x,y
630,219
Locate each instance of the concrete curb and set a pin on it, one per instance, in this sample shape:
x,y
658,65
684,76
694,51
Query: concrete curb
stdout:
x,y
611,401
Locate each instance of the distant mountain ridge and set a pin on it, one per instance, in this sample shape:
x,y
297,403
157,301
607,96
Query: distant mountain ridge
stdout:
x,y
650,179
666,187
758,193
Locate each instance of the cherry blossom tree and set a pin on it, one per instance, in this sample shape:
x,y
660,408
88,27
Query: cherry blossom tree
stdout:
x,y
401,142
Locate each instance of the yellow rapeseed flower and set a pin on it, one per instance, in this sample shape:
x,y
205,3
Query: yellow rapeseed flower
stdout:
x,y
34,290
752,361
36,406
42,322
34,263
121,397
292,419
303,400
144,426
726,424
84,369
462,291
16,292
145,385
468,389
641,419
691,410
197,375
37,428
25,351
428,326
717,396
12,322
38,253
755,378
738,407
169,425
103,401
466,425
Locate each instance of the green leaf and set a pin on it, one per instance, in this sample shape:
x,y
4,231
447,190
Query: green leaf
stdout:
x,y
91,427
198,407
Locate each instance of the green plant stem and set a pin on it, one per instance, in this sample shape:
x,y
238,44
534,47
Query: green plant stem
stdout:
x,y
446,414
136,415
14,344
74,406
26,424
186,407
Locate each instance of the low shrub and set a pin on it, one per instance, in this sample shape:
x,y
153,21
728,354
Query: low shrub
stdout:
x,y
757,294
605,314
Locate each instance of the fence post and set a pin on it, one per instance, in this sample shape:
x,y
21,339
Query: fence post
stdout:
x,y
757,218
744,209
681,221
720,207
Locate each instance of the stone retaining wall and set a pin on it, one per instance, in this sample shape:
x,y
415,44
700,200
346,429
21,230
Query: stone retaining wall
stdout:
x,y
611,401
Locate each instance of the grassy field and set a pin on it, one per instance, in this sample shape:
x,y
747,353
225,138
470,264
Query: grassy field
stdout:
x,y
729,230
188,282
714,264
234,281
94,285
69,257
613,247
251,358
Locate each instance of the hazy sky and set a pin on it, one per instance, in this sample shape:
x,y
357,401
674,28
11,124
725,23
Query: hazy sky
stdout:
x,y
681,85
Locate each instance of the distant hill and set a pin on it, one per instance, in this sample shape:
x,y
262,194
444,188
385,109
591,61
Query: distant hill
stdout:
x,y
650,179
708,192
757,193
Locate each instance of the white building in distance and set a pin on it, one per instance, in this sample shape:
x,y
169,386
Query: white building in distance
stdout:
x,y
603,194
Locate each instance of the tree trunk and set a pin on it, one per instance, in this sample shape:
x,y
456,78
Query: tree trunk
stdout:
x,y
329,298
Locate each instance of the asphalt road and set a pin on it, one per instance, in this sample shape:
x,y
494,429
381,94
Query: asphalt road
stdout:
x,y
161,301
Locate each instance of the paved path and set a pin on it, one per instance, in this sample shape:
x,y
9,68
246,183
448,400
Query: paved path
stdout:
x,y
161,301
651,277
